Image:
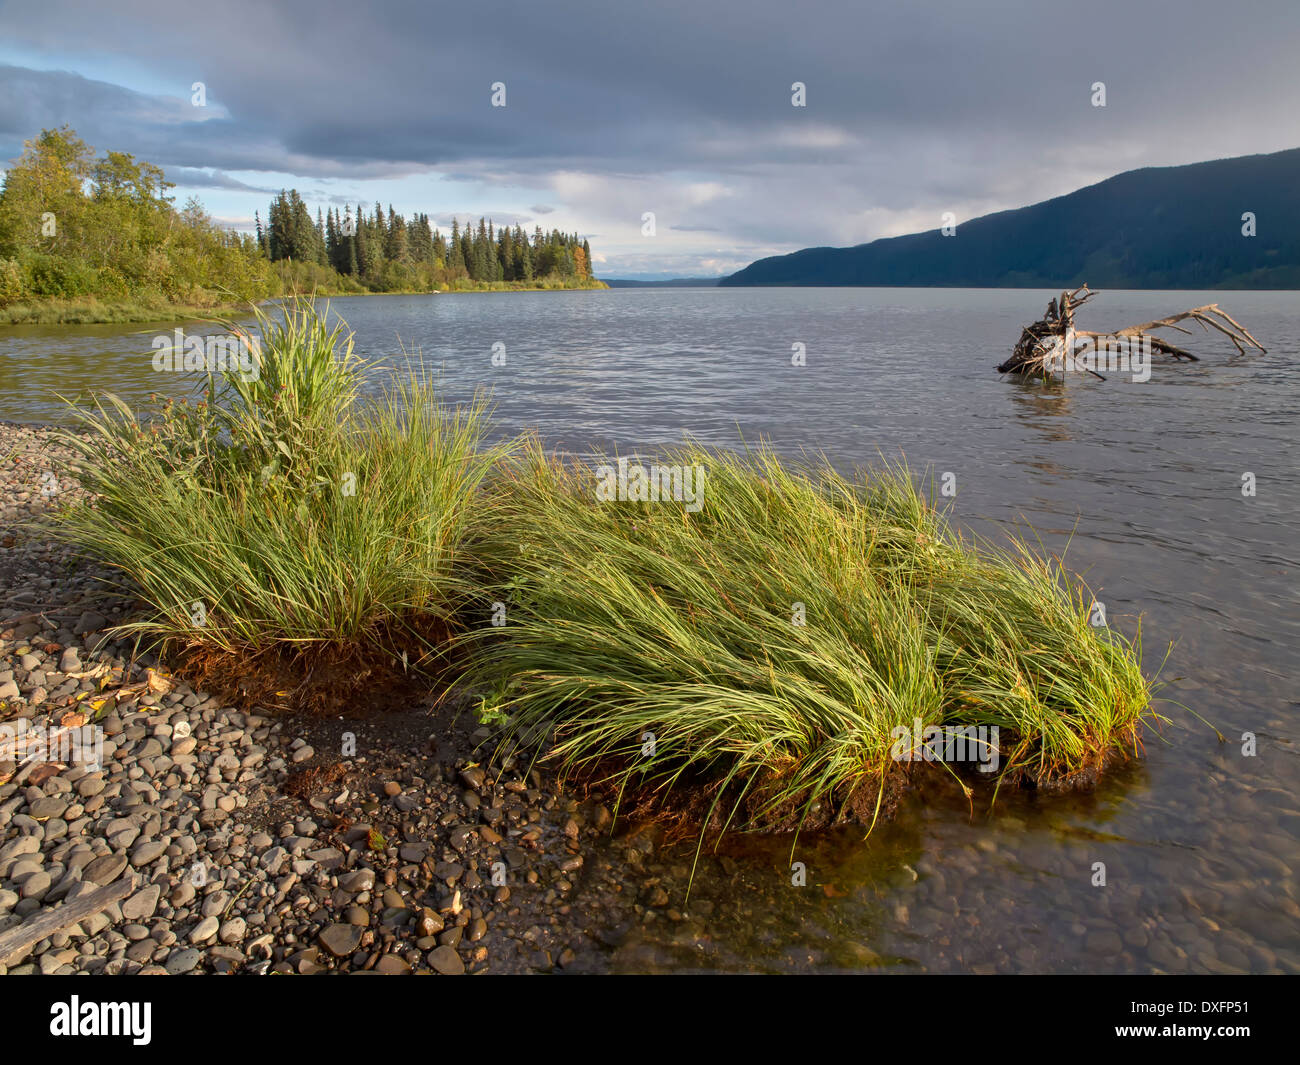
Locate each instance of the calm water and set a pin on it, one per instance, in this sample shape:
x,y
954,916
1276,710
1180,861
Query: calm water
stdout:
x,y
1143,479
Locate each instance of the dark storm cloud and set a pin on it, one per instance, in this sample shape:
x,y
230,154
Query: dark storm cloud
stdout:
x,y
911,108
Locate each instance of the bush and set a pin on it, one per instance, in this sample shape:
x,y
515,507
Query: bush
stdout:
x,y
48,275
11,282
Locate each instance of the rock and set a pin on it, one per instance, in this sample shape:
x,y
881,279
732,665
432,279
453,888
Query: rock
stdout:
x,y
205,930
341,939
70,662
1104,941
302,754
148,851
233,931
44,809
273,860
36,885
16,848
445,960
392,965
142,904
473,777
90,785
105,870
654,896
182,961
358,881
90,621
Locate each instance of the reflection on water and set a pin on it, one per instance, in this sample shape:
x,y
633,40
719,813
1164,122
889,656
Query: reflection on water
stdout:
x,y
1142,481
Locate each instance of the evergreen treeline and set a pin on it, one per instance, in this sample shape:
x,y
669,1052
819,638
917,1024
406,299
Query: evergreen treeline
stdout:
x,y
86,238
387,252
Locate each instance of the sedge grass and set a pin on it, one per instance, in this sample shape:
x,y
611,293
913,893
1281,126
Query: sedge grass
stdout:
x,y
285,513
772,642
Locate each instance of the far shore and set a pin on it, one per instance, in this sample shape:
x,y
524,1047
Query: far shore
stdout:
x,y
127,312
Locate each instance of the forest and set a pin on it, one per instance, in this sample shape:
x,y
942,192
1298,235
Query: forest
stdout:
x,y
86,237
389,253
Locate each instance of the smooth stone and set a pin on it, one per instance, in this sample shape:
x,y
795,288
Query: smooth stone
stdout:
x,y
105,870
142,904
341,939
206,929
445,960
182,961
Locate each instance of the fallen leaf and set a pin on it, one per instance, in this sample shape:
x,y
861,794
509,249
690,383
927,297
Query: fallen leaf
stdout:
x,y
157,682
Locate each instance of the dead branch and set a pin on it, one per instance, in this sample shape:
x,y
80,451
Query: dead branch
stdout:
x,y
1045,345
17,942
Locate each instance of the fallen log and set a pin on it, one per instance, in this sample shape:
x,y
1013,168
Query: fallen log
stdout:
x,y
1051,344
16,942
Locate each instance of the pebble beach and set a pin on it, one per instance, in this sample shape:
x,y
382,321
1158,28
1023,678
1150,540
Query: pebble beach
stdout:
x,y
253,842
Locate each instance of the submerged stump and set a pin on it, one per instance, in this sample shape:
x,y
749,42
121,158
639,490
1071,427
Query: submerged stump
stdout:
x,y
1053,344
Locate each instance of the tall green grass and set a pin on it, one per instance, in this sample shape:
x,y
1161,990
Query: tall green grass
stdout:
x,y
628,619
284,512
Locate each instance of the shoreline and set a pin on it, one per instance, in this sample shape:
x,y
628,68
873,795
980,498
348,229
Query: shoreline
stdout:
x,y
246,836
95,312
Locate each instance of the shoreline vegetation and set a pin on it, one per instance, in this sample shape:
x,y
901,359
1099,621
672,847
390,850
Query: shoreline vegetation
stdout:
x,y
87,240
747,663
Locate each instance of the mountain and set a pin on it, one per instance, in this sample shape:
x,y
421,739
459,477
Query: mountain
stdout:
x,y
1159,227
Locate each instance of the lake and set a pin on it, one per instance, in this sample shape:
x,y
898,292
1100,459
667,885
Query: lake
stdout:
x,y
1143,480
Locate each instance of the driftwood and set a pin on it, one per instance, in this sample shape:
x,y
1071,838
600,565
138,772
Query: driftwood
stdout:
x,y
1052,343
16,942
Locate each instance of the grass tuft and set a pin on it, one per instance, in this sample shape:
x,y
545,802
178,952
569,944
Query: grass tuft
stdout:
x,y
283,516
630,620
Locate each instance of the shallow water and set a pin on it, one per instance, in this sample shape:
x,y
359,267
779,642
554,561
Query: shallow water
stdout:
x,y
1144,481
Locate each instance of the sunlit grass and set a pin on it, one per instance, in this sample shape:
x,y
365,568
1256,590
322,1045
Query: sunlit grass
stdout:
x,y
629,619
285,511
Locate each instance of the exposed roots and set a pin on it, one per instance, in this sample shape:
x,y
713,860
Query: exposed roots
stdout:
x,y
324,678
1046,346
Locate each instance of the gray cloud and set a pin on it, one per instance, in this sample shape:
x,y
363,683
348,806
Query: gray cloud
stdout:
x,y
191,178
677,107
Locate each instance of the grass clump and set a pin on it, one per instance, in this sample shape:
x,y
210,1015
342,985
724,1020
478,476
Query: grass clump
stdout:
x,y
773,642
283,520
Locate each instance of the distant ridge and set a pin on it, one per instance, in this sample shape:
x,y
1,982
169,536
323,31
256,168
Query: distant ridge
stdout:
x,y
1158,227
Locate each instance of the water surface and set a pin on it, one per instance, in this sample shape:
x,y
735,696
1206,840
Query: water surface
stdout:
x,y
1142,480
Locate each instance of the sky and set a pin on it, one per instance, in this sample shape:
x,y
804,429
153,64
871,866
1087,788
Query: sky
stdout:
x,y
684,109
